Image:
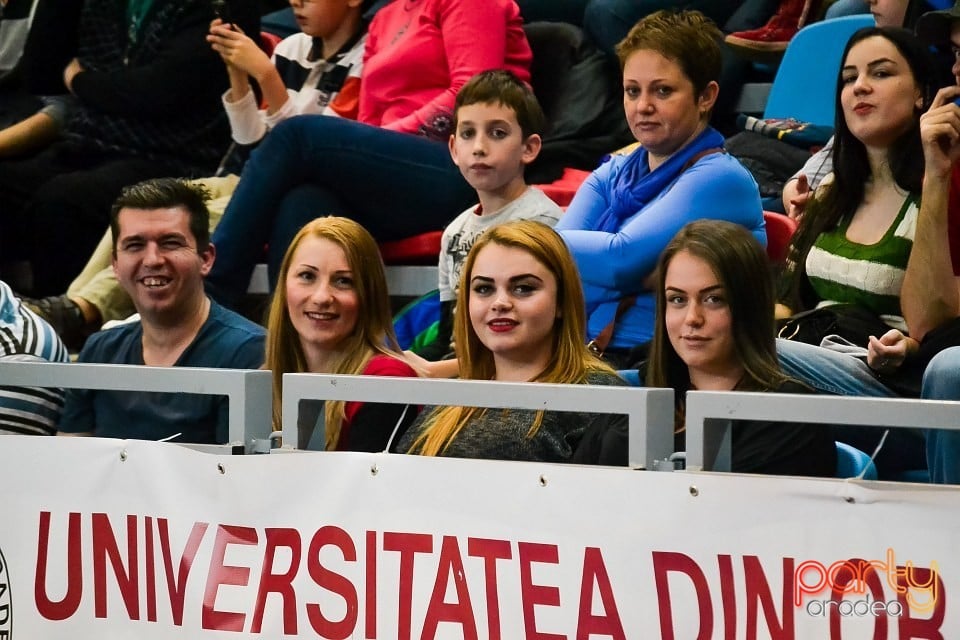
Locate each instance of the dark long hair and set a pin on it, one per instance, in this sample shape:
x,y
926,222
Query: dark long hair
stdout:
x,y
851,167
915,9
741,266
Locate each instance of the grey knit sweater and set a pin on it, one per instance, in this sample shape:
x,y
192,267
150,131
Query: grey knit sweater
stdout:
x,y
501,434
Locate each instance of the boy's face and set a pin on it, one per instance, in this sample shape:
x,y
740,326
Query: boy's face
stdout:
x,y
322,18
489,148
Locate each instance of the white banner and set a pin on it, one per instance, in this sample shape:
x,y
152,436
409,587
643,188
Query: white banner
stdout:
x,y
122,539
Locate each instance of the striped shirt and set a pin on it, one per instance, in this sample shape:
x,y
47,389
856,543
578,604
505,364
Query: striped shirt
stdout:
x,y
314,87
842,271
26,337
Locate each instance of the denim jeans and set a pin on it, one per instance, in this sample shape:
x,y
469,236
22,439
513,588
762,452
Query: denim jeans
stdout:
x,y
941,381
828,371
608,21
396,185
842,8
570,11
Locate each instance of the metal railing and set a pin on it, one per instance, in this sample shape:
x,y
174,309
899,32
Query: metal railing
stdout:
x,y
248,391
649,411
708,416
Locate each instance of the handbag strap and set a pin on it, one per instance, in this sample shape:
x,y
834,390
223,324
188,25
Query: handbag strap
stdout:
x,y
599,344
696,158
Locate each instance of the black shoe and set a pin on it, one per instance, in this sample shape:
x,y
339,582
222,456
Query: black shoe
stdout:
x,y
64,316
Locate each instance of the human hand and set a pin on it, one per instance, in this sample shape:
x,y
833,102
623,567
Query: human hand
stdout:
x,y
940,132
427,369
417,363
888,352
237,50
800,194
70,72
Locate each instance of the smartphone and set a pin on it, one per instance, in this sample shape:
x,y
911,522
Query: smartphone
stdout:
x,y
956,101
222,10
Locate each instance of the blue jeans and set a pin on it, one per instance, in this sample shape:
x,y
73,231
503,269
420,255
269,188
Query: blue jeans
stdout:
x,y
941,381
828,371
570,11
842,8
836,373
396,185
607,22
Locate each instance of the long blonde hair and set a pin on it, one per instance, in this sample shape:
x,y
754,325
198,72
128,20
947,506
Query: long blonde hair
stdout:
x,y
570,362
372,334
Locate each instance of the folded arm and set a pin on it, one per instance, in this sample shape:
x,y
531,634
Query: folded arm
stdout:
x,y
624,259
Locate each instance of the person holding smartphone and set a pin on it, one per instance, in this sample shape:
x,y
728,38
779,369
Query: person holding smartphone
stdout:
x,y
320,75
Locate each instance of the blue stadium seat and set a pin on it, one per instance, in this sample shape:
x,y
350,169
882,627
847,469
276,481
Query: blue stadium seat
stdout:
x,y
851,462
806,81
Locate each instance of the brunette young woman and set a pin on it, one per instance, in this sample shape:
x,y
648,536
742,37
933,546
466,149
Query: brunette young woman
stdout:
x,y
714,332
857,243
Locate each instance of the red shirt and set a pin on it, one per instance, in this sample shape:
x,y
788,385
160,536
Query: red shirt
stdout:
x,y
953,219
379,365
420,52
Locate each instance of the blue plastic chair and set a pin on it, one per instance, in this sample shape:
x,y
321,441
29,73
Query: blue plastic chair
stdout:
x,y
806,81
851,462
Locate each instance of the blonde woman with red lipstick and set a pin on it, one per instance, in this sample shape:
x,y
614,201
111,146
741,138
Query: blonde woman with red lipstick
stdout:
x,y
519,318
331,314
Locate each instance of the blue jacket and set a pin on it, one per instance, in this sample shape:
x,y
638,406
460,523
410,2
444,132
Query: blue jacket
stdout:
x,y
614,265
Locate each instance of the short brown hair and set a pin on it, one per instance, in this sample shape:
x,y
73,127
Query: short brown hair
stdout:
x,y
689,38
166,193
504,88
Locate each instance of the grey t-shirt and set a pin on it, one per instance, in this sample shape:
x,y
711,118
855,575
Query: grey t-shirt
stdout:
x,y
459,235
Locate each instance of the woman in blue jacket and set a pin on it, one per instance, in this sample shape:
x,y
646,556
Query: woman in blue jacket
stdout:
x,y
628,210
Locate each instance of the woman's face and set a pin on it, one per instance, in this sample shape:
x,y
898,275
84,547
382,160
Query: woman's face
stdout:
x,y
322,300
879,95
513,306
888,13
698,319
662,110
